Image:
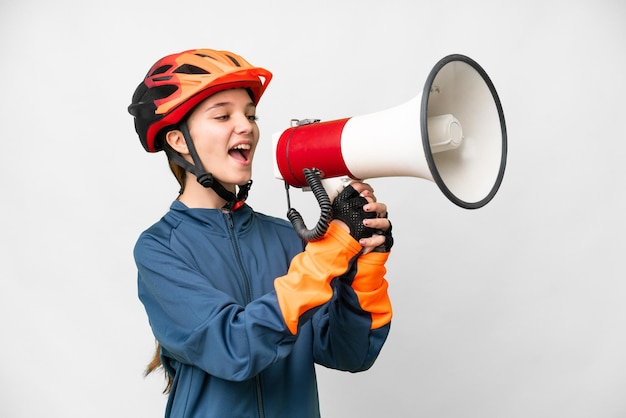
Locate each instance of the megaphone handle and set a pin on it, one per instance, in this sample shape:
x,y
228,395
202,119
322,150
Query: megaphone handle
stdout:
x,y
315,183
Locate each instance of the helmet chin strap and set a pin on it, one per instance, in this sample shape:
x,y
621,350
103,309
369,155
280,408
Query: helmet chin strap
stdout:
x,y
206,179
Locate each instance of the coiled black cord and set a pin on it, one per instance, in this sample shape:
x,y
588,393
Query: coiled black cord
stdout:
x,y
312,177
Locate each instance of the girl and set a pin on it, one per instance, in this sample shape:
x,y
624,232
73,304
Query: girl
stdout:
x,y
241,308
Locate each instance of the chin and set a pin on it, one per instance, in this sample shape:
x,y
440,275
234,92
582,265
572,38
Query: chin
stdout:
x,y
238,180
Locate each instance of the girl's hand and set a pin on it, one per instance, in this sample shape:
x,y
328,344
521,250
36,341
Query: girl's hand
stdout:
x,y
379,223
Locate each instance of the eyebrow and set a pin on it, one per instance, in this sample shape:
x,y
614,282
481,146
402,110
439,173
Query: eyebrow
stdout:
x,y
224,104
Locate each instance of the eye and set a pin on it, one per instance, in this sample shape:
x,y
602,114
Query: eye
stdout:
x,y
253,118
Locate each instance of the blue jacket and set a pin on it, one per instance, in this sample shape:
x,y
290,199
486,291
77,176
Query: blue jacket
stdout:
x,y
242,313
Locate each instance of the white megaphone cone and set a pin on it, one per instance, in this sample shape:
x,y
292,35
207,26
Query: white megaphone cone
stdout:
x,y
453,134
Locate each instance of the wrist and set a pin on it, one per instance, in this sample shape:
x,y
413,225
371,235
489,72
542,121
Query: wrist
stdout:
x,y
371,272
339,231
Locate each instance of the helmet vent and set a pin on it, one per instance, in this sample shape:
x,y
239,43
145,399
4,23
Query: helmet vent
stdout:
x,y
190,69
160,92
233,60
161,70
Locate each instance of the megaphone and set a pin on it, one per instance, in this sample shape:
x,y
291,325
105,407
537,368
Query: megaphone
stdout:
x,y
453,134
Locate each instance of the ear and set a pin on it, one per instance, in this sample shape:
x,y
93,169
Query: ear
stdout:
x,y
176,140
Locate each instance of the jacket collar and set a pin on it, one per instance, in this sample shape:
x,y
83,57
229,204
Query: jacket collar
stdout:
x,y
215,218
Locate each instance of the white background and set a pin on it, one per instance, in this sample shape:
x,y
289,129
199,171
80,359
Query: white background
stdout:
x,y
514,310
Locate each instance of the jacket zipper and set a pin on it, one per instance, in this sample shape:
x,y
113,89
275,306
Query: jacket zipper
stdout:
x,y
246,282
233,241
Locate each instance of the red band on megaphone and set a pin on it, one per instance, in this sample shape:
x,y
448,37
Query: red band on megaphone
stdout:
x,y
314,146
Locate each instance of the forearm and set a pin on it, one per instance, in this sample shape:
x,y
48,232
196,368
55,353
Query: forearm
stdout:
x,y
371,288
306,286
354,325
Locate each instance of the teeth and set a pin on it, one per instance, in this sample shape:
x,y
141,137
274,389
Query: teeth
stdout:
x,y
242,146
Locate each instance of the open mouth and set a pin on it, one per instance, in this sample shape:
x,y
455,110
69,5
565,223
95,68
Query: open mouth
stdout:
x,y
240,152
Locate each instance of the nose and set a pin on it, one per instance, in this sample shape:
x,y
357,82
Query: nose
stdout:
x,y
244,125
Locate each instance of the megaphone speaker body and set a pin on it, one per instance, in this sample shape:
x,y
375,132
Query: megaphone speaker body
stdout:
x,y
453,134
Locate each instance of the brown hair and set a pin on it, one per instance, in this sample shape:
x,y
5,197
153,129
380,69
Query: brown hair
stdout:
x,y
180,174
156,364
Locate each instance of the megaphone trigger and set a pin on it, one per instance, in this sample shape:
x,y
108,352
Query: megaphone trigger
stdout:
x,y
335,185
